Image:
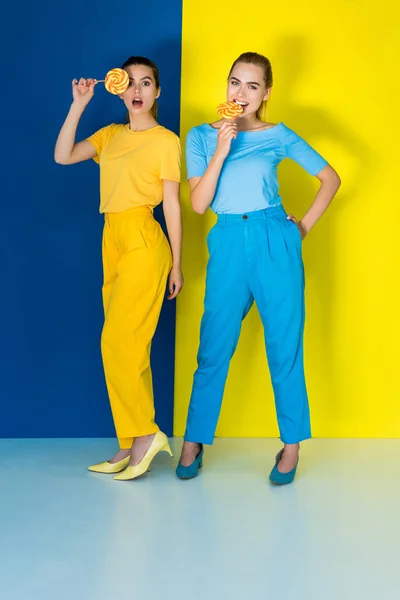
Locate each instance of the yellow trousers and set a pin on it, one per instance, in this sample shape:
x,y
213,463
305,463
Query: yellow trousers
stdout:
x,y
136,261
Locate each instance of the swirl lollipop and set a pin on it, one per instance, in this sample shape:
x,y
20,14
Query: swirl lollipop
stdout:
x,y
229,110
116,81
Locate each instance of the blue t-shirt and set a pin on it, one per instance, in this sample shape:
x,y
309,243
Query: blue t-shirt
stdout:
x,y
248,180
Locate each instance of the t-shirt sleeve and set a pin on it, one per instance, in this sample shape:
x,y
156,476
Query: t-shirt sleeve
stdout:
x,y
196,158
170,168
301,152
98,140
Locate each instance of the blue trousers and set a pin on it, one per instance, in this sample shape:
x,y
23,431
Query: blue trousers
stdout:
x,y
253,257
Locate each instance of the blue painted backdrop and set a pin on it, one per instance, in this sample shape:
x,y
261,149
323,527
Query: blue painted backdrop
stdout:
x,y
51,379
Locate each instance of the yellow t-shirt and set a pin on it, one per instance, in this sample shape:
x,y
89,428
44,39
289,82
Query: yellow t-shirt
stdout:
x,y
133,165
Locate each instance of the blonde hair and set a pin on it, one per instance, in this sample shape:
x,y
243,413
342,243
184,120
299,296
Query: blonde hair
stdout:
x,y
253,58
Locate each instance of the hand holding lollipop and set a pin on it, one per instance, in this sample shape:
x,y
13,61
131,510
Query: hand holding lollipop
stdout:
x,y
82,91
116,82
229,111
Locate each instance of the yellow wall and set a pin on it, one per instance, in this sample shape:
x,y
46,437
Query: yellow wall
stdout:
x,y
336,83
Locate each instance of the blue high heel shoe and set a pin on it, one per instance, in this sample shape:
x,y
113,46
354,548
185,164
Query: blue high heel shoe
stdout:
x,y
278,478
193,469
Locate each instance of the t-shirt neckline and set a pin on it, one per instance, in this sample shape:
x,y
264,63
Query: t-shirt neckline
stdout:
x,y
129,130
248,132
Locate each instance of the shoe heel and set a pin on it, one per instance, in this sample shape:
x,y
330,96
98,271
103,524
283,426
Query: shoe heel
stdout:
x,y
201,463
168,449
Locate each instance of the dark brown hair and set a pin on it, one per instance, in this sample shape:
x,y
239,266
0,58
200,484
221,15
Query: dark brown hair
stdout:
x,y
146,62
253,58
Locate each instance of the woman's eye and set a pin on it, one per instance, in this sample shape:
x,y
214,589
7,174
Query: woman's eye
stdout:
x,y
234,82
146,83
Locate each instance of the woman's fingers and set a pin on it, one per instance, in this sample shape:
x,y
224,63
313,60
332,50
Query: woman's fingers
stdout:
x,y
228,126
228,132
84,85
174,288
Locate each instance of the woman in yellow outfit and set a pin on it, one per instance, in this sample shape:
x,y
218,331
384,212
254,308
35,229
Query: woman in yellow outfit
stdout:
x,y
139,167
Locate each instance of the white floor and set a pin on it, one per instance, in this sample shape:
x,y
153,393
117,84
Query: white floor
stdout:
x,y
67,534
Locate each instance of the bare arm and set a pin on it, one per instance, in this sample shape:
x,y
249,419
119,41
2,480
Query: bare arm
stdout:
x,y
67,152
173,219
330,183
202,189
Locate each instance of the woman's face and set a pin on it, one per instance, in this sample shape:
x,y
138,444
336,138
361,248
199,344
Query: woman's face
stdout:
x,y
142,91
246,86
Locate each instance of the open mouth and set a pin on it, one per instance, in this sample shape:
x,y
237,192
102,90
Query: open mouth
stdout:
x,y
243,104
137,103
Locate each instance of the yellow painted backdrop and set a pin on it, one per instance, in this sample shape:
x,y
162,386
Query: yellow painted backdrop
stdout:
x,y
336,83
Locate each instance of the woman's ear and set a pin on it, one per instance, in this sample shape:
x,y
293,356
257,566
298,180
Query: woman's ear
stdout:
x,y
158,93
267,94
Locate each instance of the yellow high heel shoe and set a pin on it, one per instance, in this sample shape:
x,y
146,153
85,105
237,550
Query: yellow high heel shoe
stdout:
x,y
110,468
159,444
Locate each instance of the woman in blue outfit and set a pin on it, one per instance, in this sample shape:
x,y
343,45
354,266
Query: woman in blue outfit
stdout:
x,y
255,253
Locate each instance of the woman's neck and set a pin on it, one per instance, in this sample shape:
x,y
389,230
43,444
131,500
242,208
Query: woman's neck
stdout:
x,y
249,123
142,122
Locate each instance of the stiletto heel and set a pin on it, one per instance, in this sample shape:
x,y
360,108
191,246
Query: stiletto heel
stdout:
x,y
167,448
159,443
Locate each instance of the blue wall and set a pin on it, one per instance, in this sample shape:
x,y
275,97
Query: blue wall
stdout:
x,y
51,378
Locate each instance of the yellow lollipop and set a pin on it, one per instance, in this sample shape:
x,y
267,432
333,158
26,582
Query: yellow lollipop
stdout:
x,y
116,81
229,110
